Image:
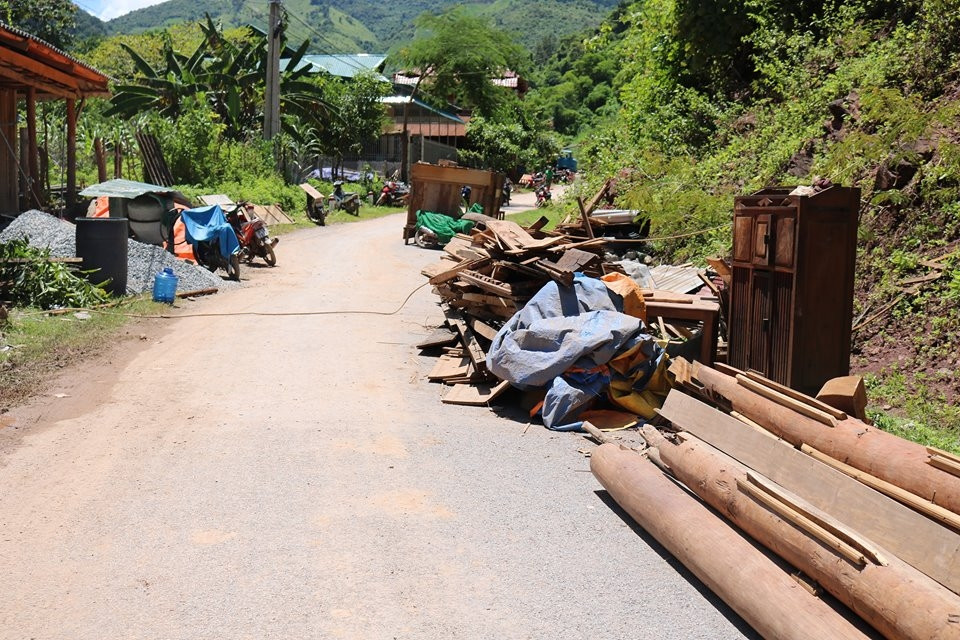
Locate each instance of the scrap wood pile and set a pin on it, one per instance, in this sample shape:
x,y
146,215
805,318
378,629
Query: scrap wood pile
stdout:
x,y
483,279
863,515
549,316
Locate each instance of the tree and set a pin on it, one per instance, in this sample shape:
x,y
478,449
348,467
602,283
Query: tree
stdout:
x,y
49,20
512,139
360,114
229,73
457,56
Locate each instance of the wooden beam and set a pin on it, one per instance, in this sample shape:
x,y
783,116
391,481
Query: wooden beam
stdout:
x,y
30,72
33,152
930,547
585,217
71,152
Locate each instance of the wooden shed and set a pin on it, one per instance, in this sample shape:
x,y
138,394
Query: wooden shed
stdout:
x,y
33,70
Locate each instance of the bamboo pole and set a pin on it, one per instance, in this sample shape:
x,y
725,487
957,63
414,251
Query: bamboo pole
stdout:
x,y
756,588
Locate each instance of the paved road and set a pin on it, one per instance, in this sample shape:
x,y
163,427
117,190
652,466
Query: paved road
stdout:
x,y
296,477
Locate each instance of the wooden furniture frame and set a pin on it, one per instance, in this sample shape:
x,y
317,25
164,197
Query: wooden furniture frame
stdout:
x,y
791,302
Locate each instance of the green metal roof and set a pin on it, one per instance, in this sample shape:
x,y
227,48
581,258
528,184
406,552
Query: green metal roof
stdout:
x,y
340,65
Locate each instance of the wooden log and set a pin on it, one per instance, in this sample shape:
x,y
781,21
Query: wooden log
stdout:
x,y
895,599
764,595
930,547
884,455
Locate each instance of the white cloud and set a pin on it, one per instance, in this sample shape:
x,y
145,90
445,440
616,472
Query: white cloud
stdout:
x,y
113,8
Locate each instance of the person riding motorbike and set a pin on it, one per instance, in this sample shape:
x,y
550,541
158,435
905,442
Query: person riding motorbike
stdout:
x,y
349,202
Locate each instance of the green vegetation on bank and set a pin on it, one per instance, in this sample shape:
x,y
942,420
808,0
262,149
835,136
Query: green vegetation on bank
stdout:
x,y
717,98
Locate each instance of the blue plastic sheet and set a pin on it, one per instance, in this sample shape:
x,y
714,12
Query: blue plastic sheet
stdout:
x,y
208,223
562,339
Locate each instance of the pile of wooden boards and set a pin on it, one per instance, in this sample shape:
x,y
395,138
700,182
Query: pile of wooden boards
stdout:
x,y
494,271
870,518
482,280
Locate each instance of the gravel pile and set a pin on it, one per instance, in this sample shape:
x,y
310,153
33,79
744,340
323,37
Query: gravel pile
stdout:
x,y
43,231
144,261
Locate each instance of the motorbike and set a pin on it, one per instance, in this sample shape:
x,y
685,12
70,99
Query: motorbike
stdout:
x,y
214,241
505,192
340,199
544,197
393,194
252,233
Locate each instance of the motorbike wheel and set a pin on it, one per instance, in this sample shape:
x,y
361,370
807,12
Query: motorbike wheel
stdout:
x,y
233,267
424,240
269,256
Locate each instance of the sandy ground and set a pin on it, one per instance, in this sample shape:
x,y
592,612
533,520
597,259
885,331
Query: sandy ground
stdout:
x,y
296,477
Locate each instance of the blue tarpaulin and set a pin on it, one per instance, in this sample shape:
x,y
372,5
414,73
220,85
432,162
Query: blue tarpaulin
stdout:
x,y
208,223
562,340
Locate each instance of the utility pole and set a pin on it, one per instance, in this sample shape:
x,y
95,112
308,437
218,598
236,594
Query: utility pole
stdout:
x,y
271,109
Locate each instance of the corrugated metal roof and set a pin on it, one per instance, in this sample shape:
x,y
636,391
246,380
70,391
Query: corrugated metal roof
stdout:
x,y
424,105
340,65
64,74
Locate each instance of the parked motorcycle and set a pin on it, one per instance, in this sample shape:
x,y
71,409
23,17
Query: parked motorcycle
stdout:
x,y
544,197
505,192
340,199
214,241
252,233
393,194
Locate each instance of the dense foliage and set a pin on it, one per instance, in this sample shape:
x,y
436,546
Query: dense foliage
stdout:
x,y
718,98
52,20
33,280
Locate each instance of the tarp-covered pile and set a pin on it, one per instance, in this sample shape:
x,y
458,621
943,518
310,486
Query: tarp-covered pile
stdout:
x,y
543,314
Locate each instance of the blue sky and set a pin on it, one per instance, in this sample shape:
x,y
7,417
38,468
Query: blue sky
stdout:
x,y
107,9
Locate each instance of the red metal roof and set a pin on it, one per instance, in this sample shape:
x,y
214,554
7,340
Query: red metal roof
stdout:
x,y
27,61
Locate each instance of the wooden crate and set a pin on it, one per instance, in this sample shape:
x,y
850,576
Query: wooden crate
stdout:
x,y
437,189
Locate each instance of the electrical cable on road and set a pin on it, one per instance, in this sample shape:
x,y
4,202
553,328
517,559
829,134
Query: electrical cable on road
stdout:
x,y
237,313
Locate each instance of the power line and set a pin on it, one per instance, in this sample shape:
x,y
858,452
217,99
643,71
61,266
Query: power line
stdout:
x,y
319,35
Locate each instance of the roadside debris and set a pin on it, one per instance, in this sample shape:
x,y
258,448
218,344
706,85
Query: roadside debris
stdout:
x,y
144,261
552,317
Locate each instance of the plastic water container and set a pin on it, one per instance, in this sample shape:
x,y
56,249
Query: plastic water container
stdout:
x,y
165,286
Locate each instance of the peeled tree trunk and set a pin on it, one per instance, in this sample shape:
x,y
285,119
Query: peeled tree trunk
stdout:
x,y
883,455
756,588
890,595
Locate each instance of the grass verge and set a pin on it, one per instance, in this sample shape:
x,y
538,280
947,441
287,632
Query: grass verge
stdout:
x,y
36,344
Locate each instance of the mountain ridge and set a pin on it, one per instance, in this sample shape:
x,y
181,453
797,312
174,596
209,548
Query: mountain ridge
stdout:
x,y
350,26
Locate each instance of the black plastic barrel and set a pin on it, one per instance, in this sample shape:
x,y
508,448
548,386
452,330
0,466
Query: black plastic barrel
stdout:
x,y
102,244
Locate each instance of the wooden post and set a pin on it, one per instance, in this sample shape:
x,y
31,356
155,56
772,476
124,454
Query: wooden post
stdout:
x,y
751,583
24,170
71,152
33,152
9,173
881,454
99,155
890,595
118,159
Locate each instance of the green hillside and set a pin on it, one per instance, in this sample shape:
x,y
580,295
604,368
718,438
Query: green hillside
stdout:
x,y
366,25
708,100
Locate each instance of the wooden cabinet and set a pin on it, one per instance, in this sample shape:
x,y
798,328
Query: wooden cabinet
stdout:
x,y
791,299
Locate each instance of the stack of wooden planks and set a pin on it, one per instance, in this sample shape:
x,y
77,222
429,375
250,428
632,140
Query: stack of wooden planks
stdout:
x,y
870,518
494,271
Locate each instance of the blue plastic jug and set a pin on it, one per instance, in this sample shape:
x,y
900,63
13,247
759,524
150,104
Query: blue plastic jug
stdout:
x,y
165,286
